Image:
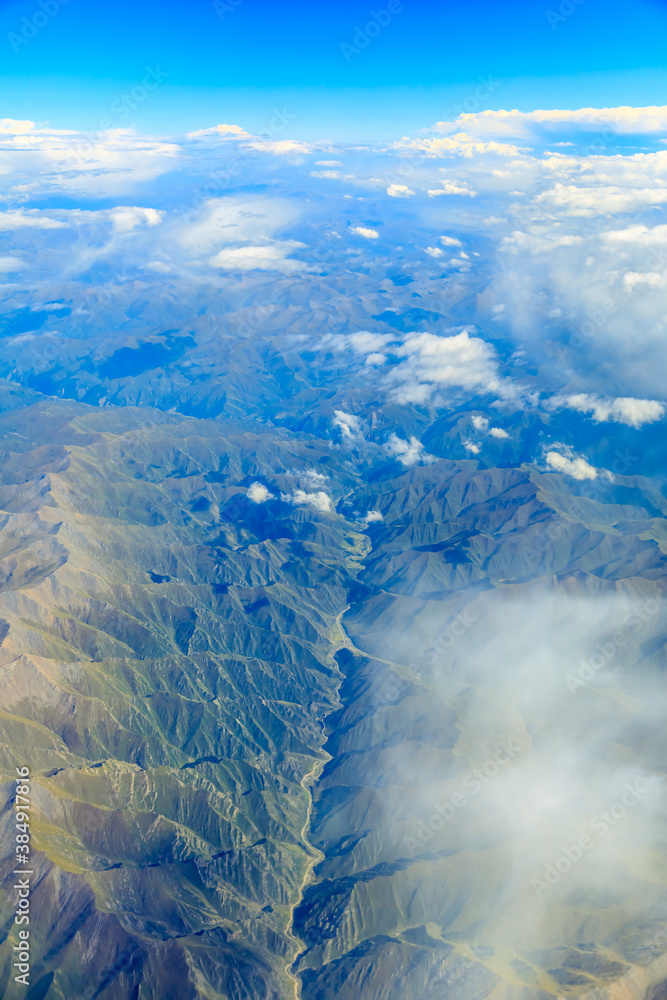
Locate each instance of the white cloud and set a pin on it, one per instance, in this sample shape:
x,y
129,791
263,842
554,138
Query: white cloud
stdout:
x,y
480,423
318,501
449,241
326,174
14,126
433,362
32,218
434,251
460,144
280,147
259,493
498,432
452,187
399,191
361,342
408,452
623,410
651,279
9,264
237,220
373,515
587,202
125,218
221,131
578,468
266,257
529,124
348,424
643,236
366,232
329,163
472,447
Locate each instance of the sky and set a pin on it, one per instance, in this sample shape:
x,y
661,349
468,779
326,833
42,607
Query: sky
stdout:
x,y
349,69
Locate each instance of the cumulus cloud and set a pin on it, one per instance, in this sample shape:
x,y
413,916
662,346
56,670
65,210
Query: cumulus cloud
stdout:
x,y
318,500
459,144
265,257
480,423
576,467
372,516
432,363
125,218
259,493
221,131
434,251
452,187
623,410
409,452
498,432
399,191
348,424
366,232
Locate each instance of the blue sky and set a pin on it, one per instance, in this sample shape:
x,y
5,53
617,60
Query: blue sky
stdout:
x,y
238,62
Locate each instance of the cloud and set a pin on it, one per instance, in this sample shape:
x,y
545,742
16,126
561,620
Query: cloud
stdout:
x,y
399,191
532,124
222,132
235,220
281,147
641,236
449,241
480,423
498,432
472,447
460,144
361,342
587,202
409,452
32,218
14,126
432,363
368,234
9,264
266,257
318,501
434,251
578,468
348,424
373,515
125,218
452,187
623,410
259,493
